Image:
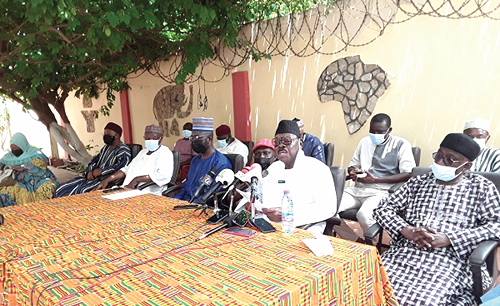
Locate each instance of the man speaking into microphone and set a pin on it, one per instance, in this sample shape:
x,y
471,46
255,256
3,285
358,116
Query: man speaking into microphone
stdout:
x,y
207,158
308,180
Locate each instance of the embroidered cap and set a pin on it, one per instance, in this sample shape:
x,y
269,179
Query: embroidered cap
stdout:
x,y
202,124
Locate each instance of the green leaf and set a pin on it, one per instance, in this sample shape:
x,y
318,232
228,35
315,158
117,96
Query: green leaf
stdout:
x,y
107,31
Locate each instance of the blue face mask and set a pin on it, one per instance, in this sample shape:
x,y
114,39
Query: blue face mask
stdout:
x,y
377,138
222,143
186,133
152,144
445,173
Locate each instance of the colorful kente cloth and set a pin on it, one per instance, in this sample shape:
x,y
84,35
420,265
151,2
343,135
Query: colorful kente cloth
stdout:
x,y
467,212
487,161
36,182
109,160
199,167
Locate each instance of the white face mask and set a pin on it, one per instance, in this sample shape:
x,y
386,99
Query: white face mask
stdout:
x,y
445,173
222,143
377,138
152,144
186,133
481,142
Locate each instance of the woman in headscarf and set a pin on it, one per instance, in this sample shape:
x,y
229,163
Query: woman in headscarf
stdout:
x,y
34,181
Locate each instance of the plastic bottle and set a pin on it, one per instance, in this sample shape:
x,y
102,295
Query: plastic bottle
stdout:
x,y
287,224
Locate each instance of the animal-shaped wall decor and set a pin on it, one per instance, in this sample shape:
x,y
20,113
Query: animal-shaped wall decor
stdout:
x,y
167,105
356,85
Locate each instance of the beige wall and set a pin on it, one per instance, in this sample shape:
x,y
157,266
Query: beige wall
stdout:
x,y
444,72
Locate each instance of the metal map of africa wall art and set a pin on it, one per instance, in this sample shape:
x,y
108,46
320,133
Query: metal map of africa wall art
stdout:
x,y
356,85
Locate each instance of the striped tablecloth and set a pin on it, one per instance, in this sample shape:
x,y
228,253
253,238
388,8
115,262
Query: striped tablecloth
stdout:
x,y
87,250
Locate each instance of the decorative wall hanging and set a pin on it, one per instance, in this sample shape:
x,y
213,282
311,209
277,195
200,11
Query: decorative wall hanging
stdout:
x,y
90,116
356,85
167,105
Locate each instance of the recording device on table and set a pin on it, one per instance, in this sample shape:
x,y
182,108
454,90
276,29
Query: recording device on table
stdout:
x,y
238,231
205,181
224,179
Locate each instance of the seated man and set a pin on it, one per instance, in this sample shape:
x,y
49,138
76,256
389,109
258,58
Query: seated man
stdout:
x,y
112,157
489,158
208,157
155,164
380,161
263,153
309,181
227,144
311,145
183,145
435,221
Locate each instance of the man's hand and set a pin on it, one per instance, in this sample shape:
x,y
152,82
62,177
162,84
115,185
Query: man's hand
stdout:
x,y
440,240
274,214
352,174
18,169
97,172
368,179
90,176
418,235
132,184
102,185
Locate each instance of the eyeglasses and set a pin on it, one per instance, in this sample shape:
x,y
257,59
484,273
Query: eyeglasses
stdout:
x,y
286,140
197,137
260,154
447,160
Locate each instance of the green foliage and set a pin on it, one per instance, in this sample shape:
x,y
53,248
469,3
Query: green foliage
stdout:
x,y
49,46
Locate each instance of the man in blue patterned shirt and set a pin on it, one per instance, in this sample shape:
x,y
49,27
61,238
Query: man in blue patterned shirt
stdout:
x,y
311,145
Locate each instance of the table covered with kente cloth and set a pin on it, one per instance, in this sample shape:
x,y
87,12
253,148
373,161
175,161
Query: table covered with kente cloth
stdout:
x,y
88,250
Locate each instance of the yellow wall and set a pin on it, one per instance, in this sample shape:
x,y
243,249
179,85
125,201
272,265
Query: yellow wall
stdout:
x,y
444,73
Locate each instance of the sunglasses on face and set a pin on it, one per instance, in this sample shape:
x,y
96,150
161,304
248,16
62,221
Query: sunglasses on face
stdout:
x,y
286,140
447,160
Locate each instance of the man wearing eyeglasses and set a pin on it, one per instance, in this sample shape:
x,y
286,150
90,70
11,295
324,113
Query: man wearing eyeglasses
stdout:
x,y
155,163
489,159
436,220
380,161
207,158
309,181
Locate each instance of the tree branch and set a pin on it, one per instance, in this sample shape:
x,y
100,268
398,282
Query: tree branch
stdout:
x,y
61,34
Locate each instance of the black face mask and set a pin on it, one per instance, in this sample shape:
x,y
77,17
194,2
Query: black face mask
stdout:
x,y
17,152
199,147
108,139
265,162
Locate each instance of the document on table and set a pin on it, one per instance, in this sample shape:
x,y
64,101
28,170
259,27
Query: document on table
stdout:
x,y
125,194
320,245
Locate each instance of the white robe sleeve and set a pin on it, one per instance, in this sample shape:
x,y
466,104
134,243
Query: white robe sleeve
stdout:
x,y
163,167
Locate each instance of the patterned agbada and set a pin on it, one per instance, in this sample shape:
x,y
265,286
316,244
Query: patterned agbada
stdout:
x,y
313,147
35,183
487,161
109,160
467,212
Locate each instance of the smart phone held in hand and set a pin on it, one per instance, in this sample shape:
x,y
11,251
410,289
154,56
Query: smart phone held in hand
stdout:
x,y
239,231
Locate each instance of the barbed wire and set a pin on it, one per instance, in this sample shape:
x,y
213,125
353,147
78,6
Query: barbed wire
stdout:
x,y
307,33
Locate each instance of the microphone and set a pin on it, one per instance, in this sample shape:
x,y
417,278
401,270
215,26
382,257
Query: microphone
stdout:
x,y
206,181
224,179
227,222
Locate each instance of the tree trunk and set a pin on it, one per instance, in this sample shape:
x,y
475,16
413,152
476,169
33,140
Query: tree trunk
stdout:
x,y
65,136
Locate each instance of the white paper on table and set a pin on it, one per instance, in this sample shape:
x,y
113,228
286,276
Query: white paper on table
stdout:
x,y
125,194
320,245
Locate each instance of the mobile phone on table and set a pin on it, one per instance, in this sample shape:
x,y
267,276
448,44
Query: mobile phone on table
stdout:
x,y
263,225
238,231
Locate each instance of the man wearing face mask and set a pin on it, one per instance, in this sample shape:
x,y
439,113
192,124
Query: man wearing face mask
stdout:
x,y
309,181
183,145
227,144
380,161
155,163
489,158
436,220
112,157
263,153
207,158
